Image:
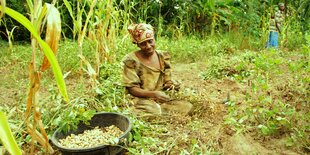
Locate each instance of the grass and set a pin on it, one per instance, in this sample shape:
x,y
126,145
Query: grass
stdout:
x,y
274,103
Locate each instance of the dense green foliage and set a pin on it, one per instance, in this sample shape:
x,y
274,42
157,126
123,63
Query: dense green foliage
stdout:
x,y
183,17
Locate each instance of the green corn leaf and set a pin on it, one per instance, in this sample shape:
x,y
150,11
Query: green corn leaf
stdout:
x,y
67,4
30,5
46,49
6,136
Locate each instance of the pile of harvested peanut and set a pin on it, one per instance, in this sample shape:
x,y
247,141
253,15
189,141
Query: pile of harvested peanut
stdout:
x,y
90,138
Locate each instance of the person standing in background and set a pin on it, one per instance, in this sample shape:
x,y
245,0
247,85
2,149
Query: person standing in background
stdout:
x,y
276,26
273,33
279,17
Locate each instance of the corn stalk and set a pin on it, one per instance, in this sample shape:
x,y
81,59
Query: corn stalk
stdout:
x,y
34,77
77,23
104,27
9,35
76,17
83,32
108,23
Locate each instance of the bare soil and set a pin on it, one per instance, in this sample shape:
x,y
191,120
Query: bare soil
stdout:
x,y
210,109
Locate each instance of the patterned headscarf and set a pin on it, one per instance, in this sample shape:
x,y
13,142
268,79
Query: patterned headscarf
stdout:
x,y
281,4
141,32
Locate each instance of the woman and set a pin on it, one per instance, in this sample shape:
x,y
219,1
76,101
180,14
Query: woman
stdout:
x,y
273,33
147,72
275,27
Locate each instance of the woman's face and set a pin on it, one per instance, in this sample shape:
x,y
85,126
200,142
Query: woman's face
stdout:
x,y
148,46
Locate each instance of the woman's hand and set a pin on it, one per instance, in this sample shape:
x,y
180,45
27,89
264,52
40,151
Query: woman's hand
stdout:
x,y
172,86
161,96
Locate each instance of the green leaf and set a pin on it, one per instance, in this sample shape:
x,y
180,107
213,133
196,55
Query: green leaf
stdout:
x,y
6,136
242,119
264,129
67,4
46,49
137,136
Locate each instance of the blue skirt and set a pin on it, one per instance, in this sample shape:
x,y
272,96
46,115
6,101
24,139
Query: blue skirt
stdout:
x,y
273,39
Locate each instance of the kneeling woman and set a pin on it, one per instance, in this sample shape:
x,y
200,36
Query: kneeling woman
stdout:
x,y
147,73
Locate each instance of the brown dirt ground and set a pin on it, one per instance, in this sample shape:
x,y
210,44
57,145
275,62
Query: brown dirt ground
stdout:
x,y
211,110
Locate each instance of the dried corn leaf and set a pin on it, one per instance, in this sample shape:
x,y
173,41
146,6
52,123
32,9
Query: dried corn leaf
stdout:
x,y
34,78
53,32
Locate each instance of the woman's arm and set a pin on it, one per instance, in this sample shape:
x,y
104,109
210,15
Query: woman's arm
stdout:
x,y
168,84
138,92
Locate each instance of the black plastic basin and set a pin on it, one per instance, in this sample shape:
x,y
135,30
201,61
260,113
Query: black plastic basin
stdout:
x,y
102,119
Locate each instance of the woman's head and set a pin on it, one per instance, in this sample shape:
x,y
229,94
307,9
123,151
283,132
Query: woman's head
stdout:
x,y
143,35
141,32
281,6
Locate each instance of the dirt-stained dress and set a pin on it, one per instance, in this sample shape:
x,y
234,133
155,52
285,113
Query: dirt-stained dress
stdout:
x,y
137,74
